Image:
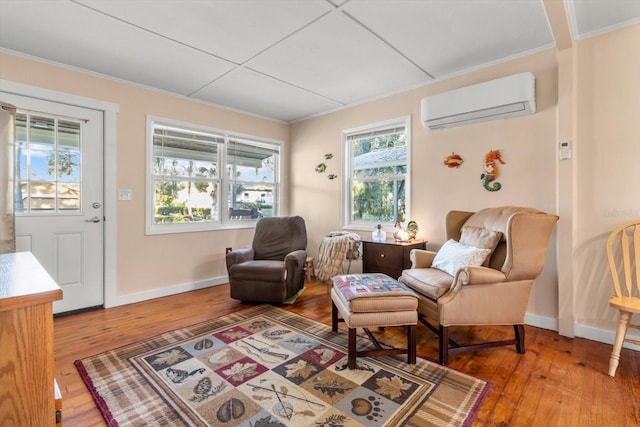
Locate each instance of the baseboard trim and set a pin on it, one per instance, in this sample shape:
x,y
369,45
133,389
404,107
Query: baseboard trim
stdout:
x,y
164,292
583,331
606,336
544,322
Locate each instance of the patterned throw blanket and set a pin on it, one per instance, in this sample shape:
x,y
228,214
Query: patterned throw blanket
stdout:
x,y
334,249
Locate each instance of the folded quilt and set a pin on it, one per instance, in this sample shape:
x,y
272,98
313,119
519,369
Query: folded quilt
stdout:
x,y
370,285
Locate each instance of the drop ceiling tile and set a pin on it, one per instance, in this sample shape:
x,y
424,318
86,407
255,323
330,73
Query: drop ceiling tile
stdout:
x,y
231,29
246,90
445,37
71,34
595,16
338,59
320,54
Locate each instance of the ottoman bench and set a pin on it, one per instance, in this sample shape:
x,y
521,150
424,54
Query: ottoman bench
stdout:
x,y
374,300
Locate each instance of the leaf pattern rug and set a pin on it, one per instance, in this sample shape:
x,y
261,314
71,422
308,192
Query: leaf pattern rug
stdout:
x,y
267,367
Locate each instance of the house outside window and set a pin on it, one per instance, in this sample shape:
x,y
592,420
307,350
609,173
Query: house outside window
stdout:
x,y
376,188
202,179
47,164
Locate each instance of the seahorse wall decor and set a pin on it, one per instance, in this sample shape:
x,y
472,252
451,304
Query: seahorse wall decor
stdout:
x,y
490,173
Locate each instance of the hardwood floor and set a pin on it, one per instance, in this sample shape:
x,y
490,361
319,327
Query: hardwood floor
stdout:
x,y
558,382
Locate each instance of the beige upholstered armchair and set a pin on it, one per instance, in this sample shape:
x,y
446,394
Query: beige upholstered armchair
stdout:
x,y
483,274
272,269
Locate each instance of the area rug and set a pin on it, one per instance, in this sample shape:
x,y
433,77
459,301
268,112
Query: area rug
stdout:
x,y
265,366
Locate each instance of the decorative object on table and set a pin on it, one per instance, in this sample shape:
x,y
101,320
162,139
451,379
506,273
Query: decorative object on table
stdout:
x,y
397,229
332,176
267,366
488,177
412,229
378,234
328,156
453,161
400,234
321,168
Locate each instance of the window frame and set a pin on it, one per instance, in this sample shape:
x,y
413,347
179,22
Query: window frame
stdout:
x,y
224,222
347,167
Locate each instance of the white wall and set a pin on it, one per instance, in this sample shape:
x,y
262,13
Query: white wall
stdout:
x,y
600,75
607,150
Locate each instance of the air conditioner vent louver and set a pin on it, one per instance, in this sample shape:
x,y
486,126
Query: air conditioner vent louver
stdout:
x,y
496,99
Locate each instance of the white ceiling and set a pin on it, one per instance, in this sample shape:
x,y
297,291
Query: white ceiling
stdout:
x,y
290,59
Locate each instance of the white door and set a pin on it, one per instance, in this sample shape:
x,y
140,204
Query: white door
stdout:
x,y
59,195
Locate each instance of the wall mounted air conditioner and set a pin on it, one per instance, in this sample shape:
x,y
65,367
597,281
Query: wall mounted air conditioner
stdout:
x,y
496,99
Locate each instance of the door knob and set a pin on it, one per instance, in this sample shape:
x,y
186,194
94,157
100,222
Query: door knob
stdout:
x,y
94,219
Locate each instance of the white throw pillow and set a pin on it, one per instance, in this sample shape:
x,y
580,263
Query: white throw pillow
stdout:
x,y
453,256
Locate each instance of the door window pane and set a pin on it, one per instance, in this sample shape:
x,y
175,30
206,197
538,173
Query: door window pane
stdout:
x,y
42,130
68,134
42,197
48,168
68,197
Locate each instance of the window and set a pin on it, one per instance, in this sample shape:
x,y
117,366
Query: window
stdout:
x,y
204,179
376,170
47,164
251,168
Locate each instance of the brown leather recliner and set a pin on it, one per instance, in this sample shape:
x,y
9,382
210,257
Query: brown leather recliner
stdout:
x,y
272,270
496,290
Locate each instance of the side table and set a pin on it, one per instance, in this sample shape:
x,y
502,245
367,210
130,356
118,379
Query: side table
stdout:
x,y
27,365
388,257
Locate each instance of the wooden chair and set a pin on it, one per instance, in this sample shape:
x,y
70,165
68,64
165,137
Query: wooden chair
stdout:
x,y
623,254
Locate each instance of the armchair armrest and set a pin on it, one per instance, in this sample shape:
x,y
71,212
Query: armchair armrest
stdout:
x,y
295,259
421,258
294,263
238,256
472,275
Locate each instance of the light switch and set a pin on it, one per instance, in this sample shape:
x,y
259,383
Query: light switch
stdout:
x,y
565,150
124,195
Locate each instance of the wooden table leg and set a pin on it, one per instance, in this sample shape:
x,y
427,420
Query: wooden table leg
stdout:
x,y
352,348
411,344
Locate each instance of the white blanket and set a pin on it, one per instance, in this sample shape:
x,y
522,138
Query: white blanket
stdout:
x,y
334,249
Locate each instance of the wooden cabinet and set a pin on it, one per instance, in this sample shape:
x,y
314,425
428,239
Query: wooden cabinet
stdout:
x,y
27,293
389,257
